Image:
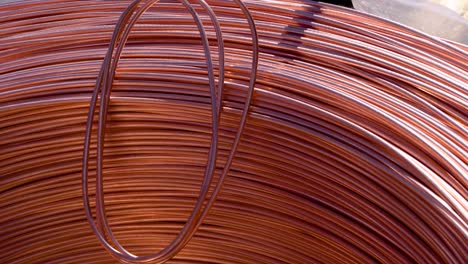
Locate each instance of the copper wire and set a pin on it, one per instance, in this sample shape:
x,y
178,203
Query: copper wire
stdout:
x,y
198,213
353,150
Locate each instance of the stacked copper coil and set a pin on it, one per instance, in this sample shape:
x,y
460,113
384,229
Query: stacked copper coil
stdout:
x,y
353,150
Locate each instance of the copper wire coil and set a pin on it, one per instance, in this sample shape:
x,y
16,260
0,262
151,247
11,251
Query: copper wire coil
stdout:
x,y
354,149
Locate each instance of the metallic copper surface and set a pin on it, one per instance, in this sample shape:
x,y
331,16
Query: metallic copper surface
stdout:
x,y
347,143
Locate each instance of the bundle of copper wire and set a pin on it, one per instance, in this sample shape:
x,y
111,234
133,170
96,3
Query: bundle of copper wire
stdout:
x,y
346,144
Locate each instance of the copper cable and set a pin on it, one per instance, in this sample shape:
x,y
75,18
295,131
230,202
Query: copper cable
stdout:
x,y
353,151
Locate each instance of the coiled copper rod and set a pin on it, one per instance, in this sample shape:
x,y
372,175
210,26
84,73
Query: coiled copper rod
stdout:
x,y
353,151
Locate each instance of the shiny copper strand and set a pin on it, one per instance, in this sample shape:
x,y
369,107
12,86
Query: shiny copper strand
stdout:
x,y
354,148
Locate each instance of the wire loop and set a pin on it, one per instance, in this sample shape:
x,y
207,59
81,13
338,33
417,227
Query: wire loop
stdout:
x,y
104,86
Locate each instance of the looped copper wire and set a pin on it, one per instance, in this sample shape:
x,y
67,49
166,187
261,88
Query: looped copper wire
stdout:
x,y
354,150
104,85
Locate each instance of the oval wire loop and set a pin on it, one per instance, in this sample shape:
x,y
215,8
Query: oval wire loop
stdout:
x,y
104,85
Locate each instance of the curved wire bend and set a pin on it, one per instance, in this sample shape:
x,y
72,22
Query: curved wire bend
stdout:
x,y
104,85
